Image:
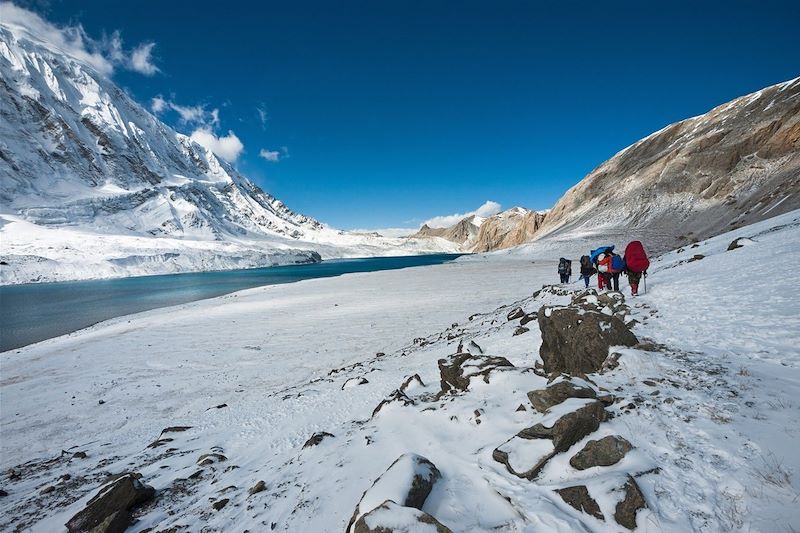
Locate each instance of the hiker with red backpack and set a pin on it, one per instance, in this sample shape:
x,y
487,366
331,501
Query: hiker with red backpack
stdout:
x,y
636,265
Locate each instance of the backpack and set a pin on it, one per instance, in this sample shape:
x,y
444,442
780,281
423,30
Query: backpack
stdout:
x,y
586,262
636,258
617,264
562,266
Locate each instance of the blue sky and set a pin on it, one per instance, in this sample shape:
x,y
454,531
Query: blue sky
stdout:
x,y
385,114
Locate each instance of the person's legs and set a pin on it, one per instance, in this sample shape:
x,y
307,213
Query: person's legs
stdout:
x,y
616,282
586,280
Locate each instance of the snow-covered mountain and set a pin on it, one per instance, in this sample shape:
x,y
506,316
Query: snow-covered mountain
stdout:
x,y
483,234
77,154
735,165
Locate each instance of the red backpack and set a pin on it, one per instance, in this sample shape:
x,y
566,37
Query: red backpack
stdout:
x,y
635,257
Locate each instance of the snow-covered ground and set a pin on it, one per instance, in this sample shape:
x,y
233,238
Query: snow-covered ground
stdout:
x,y
34,253
256,373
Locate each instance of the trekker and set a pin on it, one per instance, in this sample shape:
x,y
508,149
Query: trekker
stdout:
x,y
564,269
616,266
603,275
636,265
587,269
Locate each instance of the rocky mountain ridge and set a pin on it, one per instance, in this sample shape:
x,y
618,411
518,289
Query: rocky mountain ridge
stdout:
x,y
735,165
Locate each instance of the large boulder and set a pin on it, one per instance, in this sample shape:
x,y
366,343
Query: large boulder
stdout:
x,y
554,394
604,452
458,370
576,340
569,428
527,453
578,497
407,482
392,518
109,510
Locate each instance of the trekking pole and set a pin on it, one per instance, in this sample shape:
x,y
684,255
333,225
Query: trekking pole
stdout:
x,y
645,282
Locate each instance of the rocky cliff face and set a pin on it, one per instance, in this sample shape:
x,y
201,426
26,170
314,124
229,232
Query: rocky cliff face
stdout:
x,y
461,232
509,228
476,234
735,165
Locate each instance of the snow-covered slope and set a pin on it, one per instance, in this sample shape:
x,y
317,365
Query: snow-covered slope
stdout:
x,y
735,165
708,401
79,156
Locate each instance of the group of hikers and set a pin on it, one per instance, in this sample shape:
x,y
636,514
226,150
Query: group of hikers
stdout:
x,y
608,266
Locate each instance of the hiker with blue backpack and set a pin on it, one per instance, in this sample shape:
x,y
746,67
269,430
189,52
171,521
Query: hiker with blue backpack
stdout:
x,y
609,267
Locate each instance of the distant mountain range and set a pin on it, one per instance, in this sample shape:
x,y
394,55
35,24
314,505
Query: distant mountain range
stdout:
x,y
93,185
94,179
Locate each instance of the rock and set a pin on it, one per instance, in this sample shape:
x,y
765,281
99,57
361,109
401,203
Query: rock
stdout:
x,y
457,370
515,313
407,482
354,382
396,396
632,502
520,330
521,408
101,402
47,490
118,497
79,455
695,257
474,348
571,427
604,452
525,454
175,429
578,497
316,438
219,504
734,244
576,341
3,493
115,523
554,394
390,517
411,382
258,487
530,317
211,458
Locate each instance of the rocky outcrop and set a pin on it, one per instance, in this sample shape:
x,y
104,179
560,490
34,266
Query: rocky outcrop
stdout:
x,y
316,439
554,394
458,370
576,339
578,497
507,229
109,511
392,518
407,482
525,454
604,452
462,232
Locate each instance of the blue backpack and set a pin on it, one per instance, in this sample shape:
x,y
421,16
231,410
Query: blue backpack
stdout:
x,y
617,264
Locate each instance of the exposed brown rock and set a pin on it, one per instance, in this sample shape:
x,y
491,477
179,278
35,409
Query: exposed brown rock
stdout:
x,y
579,498
604,452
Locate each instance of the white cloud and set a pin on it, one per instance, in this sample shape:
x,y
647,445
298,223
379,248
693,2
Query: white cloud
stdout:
x,y
158,104
142,59
270,155
228,147
274,155
103,55
488,209
263,116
